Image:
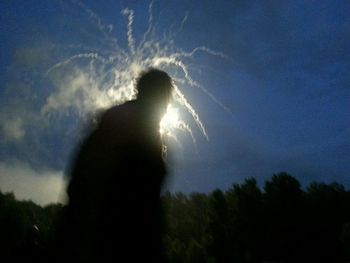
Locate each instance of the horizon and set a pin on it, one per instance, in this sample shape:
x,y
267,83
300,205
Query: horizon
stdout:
x,y
268,81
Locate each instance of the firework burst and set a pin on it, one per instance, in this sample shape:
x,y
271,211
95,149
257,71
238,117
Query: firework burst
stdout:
x,y
107,78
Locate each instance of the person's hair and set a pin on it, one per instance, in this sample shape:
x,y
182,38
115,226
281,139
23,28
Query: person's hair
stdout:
x,y
154,85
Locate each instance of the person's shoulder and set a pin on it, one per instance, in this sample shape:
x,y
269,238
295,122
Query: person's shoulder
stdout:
x,y
118,113
121,110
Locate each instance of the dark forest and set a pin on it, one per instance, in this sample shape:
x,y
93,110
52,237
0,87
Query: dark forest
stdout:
x,y
280,222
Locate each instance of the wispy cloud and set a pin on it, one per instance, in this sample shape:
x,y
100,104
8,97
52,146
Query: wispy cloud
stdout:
x,y
41,186
13,129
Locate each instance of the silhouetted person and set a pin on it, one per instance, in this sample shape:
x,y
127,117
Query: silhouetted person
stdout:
x,y
114,211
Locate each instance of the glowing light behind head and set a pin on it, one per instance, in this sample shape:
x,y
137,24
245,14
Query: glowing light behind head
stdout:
x,y
170,120
108,77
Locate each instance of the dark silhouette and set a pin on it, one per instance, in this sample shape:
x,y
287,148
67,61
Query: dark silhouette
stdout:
x,y
114,209
281,222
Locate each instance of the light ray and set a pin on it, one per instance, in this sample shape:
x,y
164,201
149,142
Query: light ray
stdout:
x,y
109,79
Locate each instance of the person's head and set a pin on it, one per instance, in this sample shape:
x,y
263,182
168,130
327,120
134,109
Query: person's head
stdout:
x,y
154,88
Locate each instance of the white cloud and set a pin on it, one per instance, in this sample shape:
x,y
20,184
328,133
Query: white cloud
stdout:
x,y
79,91
13,129
42,187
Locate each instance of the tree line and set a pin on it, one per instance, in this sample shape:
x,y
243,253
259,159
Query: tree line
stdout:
x,y
280,222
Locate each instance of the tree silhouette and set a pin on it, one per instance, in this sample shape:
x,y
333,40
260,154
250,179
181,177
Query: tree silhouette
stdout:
x,y
328,210
279,223
283,213
245,208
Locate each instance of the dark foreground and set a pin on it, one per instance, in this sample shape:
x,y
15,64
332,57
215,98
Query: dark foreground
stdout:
x,y
280,223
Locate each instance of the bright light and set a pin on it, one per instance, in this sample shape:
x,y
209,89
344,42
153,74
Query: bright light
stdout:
x,y
101,78
170,120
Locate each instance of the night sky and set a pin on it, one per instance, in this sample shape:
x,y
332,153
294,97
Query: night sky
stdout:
x,y
279,83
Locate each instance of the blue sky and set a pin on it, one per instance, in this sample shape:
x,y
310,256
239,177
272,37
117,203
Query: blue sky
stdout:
x,y
283,85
